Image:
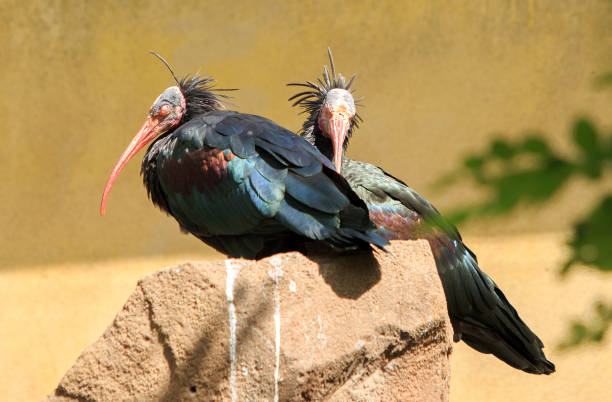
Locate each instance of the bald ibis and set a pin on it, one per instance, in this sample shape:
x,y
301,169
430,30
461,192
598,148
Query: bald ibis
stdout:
x,y
239,182
479,311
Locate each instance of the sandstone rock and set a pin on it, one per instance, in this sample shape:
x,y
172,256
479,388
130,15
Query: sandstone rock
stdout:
x,y
328,326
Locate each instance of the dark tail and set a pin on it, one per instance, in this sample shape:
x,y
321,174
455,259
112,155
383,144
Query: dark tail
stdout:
x,y
481,314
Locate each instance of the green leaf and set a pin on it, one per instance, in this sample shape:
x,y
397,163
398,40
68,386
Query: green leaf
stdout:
x,y
591,243
459,215
473,162
533,185
585,136
592,149
502,149
604,80
536,145
587,332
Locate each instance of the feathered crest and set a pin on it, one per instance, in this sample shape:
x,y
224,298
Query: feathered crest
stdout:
x,y
312,99
199,92
201,96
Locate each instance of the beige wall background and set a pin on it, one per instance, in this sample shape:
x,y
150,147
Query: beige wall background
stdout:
x,y
440,79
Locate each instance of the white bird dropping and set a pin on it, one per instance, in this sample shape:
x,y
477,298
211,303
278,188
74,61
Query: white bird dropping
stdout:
x,y
232,271
275,274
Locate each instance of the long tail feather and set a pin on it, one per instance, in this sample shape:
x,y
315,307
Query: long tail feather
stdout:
x,y
481,314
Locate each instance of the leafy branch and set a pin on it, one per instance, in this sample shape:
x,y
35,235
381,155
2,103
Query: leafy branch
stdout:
x,y
530,172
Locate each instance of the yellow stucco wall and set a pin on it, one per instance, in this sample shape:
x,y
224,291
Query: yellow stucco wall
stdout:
x,y
440,78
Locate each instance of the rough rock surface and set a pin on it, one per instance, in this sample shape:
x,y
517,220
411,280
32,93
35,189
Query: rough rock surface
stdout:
x,y
328,326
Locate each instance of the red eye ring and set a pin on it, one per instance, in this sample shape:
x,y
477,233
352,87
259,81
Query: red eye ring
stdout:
x,y
164,110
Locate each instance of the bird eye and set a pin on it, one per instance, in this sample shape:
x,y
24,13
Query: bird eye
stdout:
x,y
164,110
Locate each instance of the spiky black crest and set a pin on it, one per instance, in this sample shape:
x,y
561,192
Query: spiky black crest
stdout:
x,y
201,96
199,92
312,99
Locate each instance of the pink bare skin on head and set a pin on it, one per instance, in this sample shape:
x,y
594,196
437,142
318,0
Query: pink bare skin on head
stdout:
x,y
335,120
165,114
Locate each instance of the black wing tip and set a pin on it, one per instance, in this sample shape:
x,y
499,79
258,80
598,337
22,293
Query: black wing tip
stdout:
x,y
544,366
536,363
363,239
532,363
377,240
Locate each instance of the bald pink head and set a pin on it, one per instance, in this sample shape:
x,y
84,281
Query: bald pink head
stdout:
x,y
334,120
165,114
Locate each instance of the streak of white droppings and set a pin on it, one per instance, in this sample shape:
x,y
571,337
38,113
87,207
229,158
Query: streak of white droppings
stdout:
x,y
275,274
231,271
320,334
292,286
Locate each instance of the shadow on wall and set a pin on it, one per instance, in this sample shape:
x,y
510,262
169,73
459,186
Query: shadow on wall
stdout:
x,y
350,280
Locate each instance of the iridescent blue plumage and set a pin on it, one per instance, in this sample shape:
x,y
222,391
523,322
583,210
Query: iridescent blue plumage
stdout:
x,y
250,188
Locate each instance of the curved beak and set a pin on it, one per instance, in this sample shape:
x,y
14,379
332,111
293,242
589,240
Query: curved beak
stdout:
x,y
339,125
149,130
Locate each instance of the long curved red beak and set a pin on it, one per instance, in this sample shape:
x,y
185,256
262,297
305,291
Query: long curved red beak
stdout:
x,y
148,131
339,129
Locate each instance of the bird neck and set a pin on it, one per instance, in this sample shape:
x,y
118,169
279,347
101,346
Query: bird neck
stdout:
x,y
315,136
148,170
325,146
